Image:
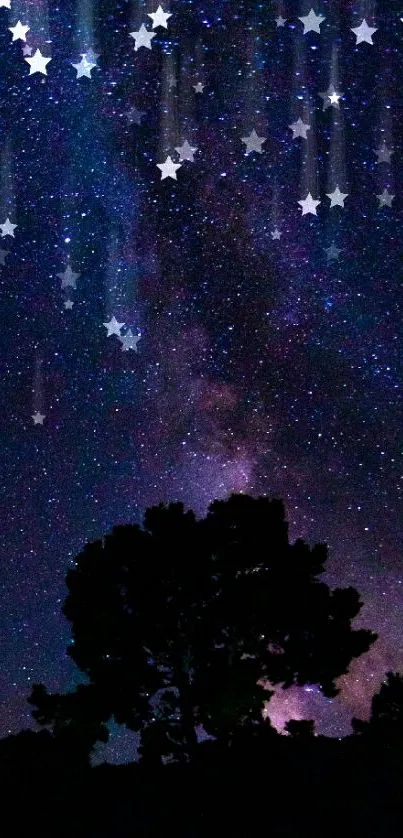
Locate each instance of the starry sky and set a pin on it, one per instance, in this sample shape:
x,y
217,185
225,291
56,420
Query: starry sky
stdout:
x,y
250,276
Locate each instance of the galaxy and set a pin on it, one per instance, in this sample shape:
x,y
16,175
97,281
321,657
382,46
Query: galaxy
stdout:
x,y
201,293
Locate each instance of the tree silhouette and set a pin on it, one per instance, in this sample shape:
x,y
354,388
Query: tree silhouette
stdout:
x,y
386,721
180,622
300,728
77,719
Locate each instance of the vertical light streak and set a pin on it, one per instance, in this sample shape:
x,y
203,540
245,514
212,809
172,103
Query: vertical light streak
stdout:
x,y
337,169
169,122
36,16
37,389
7,197
301,101
85,28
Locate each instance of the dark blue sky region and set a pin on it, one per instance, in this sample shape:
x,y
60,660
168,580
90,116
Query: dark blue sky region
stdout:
x,y
266,363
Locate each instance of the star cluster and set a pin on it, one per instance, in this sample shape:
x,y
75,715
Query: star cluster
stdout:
x,y
200,280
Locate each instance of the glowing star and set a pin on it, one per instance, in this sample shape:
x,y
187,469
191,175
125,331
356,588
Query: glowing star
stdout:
x,y
159,18
299,129
3,254
142,37
275,234
312,22
37,64
332,252
331,97
186,152
7,229
309,205
38,418
5,4
337,198
168,169
385,200
384,154
253,142
84,68
364,33
199,87
19,31
129,341
113,327
68,278
281,21
68,304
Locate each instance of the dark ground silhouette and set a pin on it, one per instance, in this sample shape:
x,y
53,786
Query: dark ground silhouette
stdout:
x,y
290,787
176,623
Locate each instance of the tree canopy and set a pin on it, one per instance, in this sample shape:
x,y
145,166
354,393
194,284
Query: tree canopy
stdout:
x,y
386,721
180,622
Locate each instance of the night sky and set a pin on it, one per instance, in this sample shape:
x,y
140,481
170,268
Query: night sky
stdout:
x,y
259,345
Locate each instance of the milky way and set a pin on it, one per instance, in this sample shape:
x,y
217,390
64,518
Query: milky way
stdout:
x,y
265,364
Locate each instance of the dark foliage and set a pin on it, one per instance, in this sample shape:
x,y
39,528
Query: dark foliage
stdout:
x,y
178,623
301,727
175,624
77,718
386,722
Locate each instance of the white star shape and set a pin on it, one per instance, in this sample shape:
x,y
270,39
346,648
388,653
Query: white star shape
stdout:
x,y
113,327
337,198
168,169
275,234
199,87
135,115
68,278
364,33
281,21
38,418
312,22
332,252
331,97
5,4
142,37
383,154
186,152
385,200
159,18
299,129
129,341
37,64
309,205
7,229
84,68
253,142
68,304
19,31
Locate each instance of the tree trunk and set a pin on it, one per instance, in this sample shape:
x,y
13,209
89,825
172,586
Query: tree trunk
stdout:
x,y
186,707
188,722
